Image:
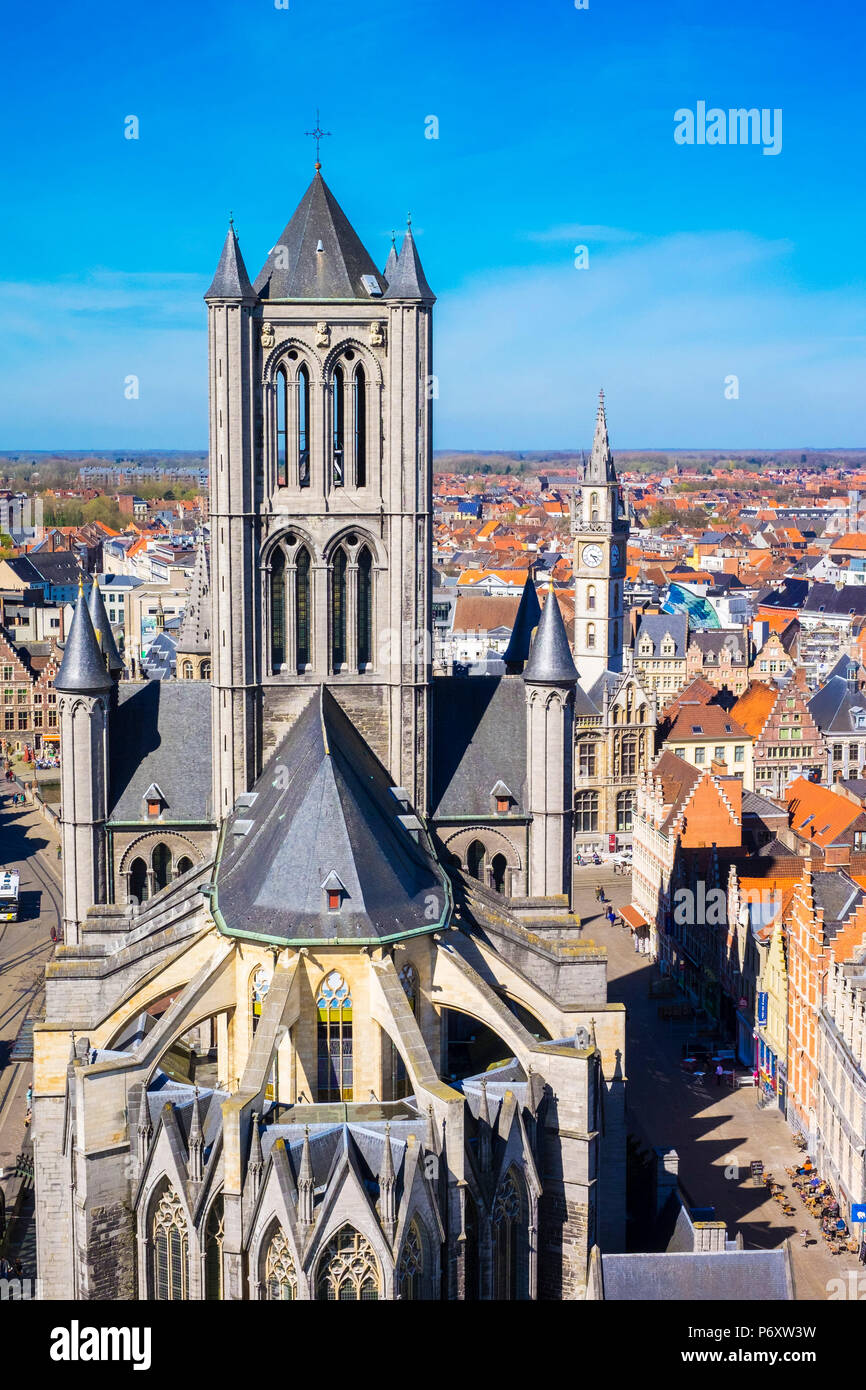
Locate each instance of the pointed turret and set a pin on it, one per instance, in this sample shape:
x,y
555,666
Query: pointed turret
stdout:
x,y
600,468
255,1167
102,628
484,1135
387,1189
195,1161
319,255
409,280
306,1184
83,668
550,661
231,280
391,264
525,623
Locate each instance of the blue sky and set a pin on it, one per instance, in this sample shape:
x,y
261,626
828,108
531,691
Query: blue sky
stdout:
x,y
555,130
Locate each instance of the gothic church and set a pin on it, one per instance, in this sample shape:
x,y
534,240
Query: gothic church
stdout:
x,y
296,1044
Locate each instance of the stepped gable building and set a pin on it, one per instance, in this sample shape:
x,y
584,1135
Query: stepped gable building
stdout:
x,y
292,1049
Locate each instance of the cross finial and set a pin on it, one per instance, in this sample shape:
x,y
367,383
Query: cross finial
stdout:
x,y
409,220
317,135
393,238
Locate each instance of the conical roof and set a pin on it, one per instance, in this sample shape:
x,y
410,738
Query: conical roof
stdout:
x,y
550,661
194,635
319,255
409,280
102,628
391,264
231,280
83,666
528,614
600,467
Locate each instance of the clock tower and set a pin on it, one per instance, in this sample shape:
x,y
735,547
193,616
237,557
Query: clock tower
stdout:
x,y
600,529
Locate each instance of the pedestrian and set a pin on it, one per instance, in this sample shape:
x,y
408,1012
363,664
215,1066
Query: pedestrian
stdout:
x,y
598,892
805,1235
29,1096
611,916
720,1071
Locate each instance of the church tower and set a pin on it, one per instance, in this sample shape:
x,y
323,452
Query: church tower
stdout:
x,y
600,530
84,686
550,679
321,495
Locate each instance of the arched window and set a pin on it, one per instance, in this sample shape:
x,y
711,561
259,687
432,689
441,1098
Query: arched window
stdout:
x,y
348,1269
593,507
586,811
303,608
303,427
161,864
338,610
624,811
498,869
475,860
138,880
187,670
338,406
410,1271
508,1235
365,609
205,670
590,635
282,428
590,597
359,382
260,983
184,865
409,981
281,1280
213,1250
335,1062
278,610
170,1247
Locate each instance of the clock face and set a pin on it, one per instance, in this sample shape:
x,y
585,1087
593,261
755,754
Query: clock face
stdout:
x,y
614,555
592,556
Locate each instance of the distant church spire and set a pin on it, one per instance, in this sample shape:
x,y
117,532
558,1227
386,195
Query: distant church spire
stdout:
x,y
600,468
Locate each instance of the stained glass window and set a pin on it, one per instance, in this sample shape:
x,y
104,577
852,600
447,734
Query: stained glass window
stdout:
x,y
348,1269
281,1280
411,1268
170,1248
335,1063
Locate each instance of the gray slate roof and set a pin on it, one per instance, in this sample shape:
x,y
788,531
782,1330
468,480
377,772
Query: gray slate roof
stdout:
x,y
848,599
726,1276
550,660
161,732
836,707
657,626
528,614
478,738
716,640
102,626
408,280
231,280
295,269
83,666
323,805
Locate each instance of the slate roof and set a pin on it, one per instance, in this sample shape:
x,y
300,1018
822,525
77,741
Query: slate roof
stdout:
x,y
478,737
847,600
408,280
726,1276
836,707
57,566
161,732
102,627
550,660
295,269
716,640
231,280
83,666
657,626
525,622
324,804
837,895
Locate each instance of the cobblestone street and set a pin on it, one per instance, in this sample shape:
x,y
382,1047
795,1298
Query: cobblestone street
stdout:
x,y
711,1129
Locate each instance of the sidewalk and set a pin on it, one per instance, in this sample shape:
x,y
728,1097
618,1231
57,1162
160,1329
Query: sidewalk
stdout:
x,y
717,1132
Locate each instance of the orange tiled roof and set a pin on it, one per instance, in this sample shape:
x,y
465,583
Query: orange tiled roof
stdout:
x,y
818,814
754,706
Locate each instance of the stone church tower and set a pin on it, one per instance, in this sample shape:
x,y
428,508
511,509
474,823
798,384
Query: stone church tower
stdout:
x,y
600,529
321,495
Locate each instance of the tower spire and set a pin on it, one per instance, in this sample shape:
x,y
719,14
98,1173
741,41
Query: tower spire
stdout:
x,y
600,468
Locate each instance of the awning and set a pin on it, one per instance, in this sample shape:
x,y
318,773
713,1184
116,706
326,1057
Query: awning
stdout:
x,y
50,738
634,919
